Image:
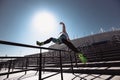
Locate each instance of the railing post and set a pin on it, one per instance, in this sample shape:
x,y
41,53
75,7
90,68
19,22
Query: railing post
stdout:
x,y
26,65
71,63
37,63
9,67
61,70
13,64
43,63
75,59
40,65
22,63
0,64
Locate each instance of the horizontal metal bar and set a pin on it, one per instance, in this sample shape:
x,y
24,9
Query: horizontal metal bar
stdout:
x,y
2,57
26,45
112,64
88,71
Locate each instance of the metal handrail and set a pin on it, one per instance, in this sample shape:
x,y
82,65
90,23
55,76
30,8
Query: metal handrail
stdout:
x,y
26,45
40,56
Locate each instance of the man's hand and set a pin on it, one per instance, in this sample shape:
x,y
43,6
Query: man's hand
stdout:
x,y
62,23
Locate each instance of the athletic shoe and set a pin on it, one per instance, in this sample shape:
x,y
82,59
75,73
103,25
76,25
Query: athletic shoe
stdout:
x,y
82,57
39,43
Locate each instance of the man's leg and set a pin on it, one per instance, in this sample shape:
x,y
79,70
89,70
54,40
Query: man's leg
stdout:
x,y
72,47
48,41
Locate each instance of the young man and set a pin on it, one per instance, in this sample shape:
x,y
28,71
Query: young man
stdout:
x,y
64,38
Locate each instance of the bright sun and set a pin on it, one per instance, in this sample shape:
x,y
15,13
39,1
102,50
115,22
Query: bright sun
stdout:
x,y
44,22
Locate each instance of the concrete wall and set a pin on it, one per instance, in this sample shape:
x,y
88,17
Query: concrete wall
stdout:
x,y
91,39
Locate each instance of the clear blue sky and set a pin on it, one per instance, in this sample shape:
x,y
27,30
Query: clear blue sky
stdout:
x,y
80,16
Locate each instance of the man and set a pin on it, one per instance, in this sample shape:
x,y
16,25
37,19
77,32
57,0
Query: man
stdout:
x,y
64,38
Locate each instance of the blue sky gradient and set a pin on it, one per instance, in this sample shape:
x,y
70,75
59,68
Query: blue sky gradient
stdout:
x,y
80,16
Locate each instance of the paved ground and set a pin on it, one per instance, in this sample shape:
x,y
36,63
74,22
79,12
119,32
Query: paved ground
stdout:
x,y
31,75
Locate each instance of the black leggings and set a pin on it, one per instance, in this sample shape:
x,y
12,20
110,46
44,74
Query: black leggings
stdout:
x,y
67,43
70,45
48,40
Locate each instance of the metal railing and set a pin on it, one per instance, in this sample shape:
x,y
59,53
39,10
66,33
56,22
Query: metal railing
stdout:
x,y
8,63
100,58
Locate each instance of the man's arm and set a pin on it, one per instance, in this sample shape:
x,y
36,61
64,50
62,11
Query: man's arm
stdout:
x,y
64,28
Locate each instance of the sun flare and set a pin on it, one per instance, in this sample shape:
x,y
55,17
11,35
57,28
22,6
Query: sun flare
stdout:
x,y
44,22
